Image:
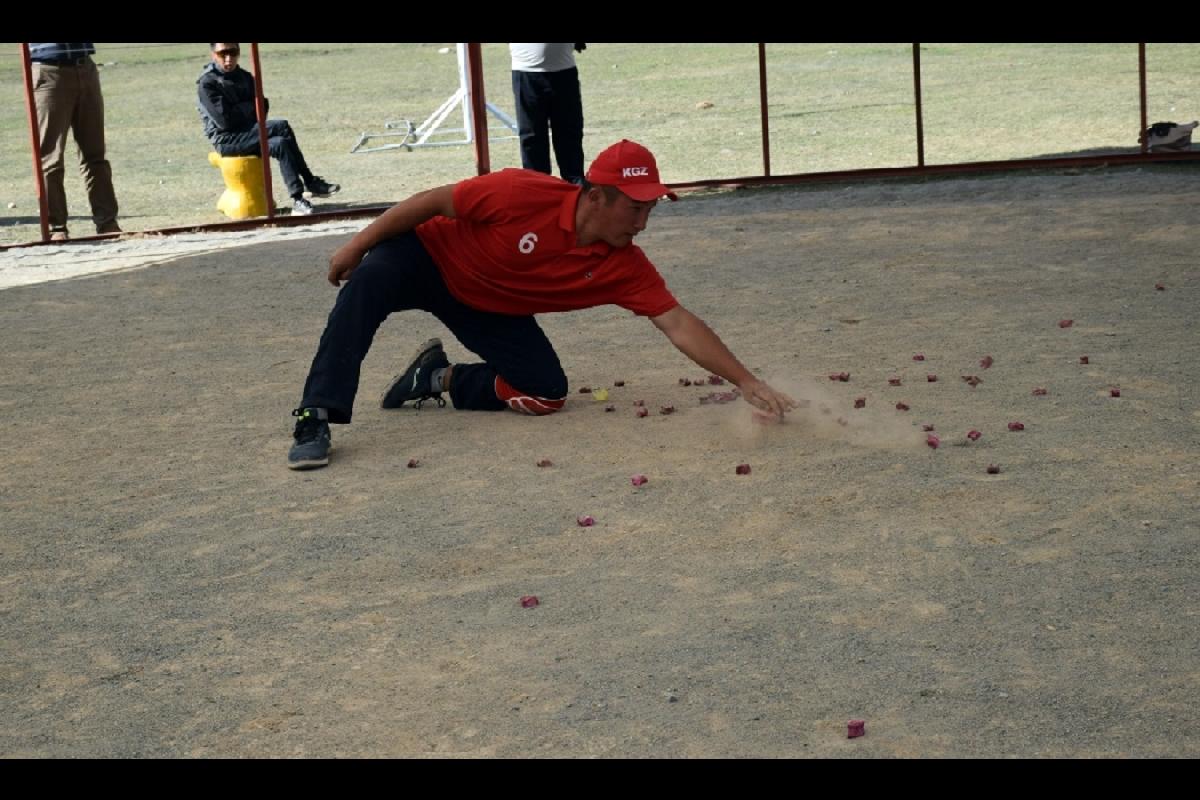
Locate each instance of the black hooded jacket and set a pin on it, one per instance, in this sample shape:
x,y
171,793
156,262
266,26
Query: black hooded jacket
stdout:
x,y
226,102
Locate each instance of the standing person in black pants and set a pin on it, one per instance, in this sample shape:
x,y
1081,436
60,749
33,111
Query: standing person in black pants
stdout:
x,y
66,91
546,89
231,124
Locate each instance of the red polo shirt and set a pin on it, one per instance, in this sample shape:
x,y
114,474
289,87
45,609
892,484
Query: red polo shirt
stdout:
x,y
511,250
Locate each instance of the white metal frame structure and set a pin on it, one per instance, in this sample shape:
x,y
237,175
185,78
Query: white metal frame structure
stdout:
x,y
423,135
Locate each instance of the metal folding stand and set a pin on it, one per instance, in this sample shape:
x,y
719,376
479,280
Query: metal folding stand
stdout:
x,y
423,135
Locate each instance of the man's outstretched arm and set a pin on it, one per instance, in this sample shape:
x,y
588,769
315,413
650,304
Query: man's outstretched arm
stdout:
x,y
400,218
698,342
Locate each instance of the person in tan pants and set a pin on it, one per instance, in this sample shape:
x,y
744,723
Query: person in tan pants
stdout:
x,y
67,95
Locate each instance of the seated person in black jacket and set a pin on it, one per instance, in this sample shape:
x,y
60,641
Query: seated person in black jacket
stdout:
x,y
231,124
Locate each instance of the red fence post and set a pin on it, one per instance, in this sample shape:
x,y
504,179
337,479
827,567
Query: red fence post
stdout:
x,y
762,102
479,121
35,140
1142,86
920,108
260,109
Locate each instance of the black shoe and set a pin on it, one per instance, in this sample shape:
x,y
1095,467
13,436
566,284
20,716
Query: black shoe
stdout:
x,y
319,187
415,385
311,448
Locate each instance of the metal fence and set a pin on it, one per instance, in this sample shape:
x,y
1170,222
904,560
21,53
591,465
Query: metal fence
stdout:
x,y
730,114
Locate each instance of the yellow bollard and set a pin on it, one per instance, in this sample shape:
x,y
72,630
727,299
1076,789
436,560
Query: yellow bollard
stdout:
x,y
244,193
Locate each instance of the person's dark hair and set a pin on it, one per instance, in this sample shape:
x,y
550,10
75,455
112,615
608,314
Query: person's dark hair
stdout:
x,y
213,45
611,193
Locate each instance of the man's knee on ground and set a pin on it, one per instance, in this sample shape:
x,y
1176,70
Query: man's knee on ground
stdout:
x,y
537,405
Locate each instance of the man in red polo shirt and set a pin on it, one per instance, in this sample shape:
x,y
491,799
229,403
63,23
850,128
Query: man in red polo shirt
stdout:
x,y
484,256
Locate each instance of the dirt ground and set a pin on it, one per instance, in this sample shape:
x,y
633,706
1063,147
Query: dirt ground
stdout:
x,y
168,588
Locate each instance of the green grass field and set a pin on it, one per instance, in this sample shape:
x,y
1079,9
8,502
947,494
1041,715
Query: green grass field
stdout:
x,y
832,106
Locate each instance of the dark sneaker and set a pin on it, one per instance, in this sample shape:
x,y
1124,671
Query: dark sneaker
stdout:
x,y
311,448
108,227
301,207
319,187
415,385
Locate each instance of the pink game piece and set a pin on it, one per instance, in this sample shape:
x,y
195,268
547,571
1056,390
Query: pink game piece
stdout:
x,y
529,601
413,463
843,377
743,469
933,441
1160,287
643,412
685,382
893,381
639,480
931,378
974,436
1066,323
927,428
918,357
972,380
902,407
586,521
856,728
716,380
986,362
1114,392
860,402
993,469
1040,392
1084,360
618,384
545,462
1016,426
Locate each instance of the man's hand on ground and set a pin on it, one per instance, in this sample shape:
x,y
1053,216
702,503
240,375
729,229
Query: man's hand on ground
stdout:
x,y
763,397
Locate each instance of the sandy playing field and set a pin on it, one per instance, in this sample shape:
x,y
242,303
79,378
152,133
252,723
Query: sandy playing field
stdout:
x,y
169,588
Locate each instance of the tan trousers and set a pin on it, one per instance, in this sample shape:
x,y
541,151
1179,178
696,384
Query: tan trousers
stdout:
x,y
68,98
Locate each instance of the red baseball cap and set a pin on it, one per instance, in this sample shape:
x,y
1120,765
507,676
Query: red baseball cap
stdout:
x,y
632,169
